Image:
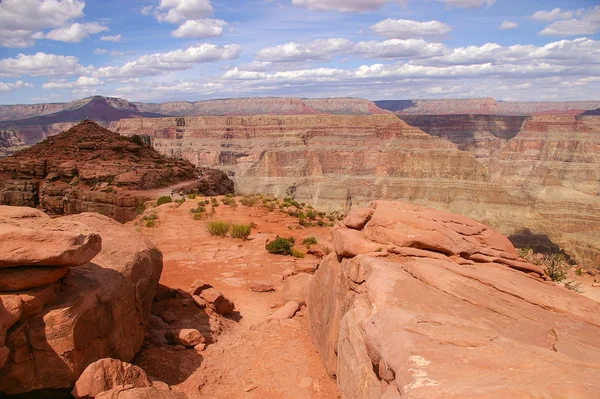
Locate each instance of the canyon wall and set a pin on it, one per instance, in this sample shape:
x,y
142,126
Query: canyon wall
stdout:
x,y
339,161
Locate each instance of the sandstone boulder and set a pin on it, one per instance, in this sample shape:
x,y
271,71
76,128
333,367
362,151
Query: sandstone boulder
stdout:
x,y
130,392
435,320
187,337
295,288
97,310
261,286
106,374
217,300
286,312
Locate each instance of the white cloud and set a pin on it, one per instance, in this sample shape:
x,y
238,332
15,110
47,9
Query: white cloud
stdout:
x,y
41,64
506,25
178,11
38,14
177,60
20,18
75,33
82,81
587,24
200,28
317,50
146,10
19,84
100,51
552,15
114,39
469,3
406,29
345,5
115,53
396,48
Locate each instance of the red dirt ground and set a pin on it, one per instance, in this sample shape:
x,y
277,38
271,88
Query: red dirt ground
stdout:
x,y
253,358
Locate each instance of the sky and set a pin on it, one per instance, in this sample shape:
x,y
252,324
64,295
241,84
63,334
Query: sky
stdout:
x,y
172,50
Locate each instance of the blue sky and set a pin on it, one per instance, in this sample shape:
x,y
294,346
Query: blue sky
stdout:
x,y
165,50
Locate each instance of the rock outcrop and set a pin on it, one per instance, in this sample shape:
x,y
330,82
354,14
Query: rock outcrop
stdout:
x,y
421,303
50,333
87,169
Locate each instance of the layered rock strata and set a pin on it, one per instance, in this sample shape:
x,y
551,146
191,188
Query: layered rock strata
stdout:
x,y
87,169
420,303
51,329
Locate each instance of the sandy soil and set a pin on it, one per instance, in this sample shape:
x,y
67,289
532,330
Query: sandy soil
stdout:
x,y
253,358
586,280
159,192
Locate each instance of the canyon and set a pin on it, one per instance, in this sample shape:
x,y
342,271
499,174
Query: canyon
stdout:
x,y
535,179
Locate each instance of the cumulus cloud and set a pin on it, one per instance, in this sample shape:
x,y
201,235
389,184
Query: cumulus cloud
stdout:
x,y
396,48
114,39
146,10
406,29
557,13
82,81
587,24
507,25
41,64
75,32
317,50
200,28
345,5
178,11
177,60
19,19
19,84
100,51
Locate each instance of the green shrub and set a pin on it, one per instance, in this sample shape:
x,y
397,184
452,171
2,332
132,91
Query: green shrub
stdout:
x,y
152,216
140,208
192,196
311,214
249,201
218,228
165,199
197,216
579,271
180,201
320,223
297,253
229,195
136,139
304,222
279,246
308,241
206,202
229,201
198,209
240,231
149,223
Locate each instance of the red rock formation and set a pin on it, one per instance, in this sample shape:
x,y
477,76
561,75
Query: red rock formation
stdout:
x,y
50,334
84,169
424,316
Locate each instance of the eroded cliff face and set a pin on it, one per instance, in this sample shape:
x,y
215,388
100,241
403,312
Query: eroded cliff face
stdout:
x,y
335,161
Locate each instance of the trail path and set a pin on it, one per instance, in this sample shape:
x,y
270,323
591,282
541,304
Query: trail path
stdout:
x,y
253,358
159,192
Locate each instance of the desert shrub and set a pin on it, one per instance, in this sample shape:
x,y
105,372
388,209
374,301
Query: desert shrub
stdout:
x,y
320,223
579,271
197,216
296,253
206,202
192,196
555,265
296,204
240,231
217,228
331,218
152,216
229,201
270,207
279,246
165,199
139,209
253,225
180,201
198,209
136,139
228,195
249,201
294,214
149,223
304,222
308,241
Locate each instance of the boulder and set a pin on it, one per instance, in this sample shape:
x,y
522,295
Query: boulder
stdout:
x,y
358,217
43,241
261,286
198,286
130,392
286,312
217,300
98,310
106,374
23,278
433,319
187,337
295,288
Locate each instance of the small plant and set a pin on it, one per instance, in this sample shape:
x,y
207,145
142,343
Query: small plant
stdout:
x,y
149,223
192,196
249,201
136,139
229,201
228,195
320,223
152,216
280,246
139,209
297,253
197,216
240,231
165,199
198,209
218,228
109,190
311,214
308,241
180,201
304,222
579,271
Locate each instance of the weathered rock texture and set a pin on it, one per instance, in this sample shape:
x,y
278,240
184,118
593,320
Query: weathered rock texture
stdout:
x,y
335,161
87,169
50,334
425,304
485,106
